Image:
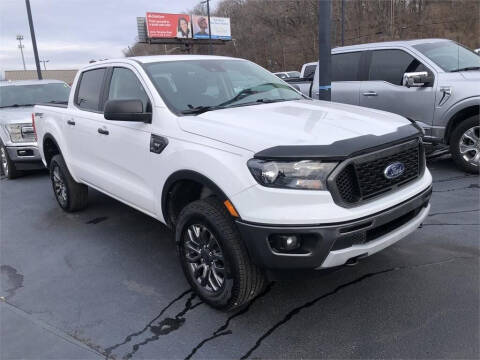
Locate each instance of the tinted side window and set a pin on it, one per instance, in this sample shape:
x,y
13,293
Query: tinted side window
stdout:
x,y
88,93
126,86
390,65
345,67
309,71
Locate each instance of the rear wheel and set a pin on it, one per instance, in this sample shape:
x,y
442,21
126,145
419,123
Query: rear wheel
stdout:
x,y
214,258
7,166
465,145
70,195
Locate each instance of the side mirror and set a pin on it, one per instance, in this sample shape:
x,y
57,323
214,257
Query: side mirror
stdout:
x,y
126,110
416,79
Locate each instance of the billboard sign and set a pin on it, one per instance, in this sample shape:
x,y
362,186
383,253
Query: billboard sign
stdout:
x,y
220,27
161,25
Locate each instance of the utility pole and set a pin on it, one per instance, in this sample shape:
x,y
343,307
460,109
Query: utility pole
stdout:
x,y
324,49
21,46
44,63
343,22
209,28
34,41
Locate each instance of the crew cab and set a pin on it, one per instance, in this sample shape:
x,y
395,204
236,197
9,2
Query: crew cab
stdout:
x,y
18,147
435,82
252,176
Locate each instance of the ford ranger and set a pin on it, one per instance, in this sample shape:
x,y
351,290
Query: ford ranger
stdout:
x,y
435,82
252,176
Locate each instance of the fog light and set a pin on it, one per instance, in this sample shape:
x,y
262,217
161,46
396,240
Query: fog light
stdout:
x,y
285,243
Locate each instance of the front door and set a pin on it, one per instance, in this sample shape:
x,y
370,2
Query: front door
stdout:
x,y
383,89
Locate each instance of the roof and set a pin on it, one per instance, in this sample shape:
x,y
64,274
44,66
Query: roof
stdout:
x,y
28,82
62,75
158,58
388,44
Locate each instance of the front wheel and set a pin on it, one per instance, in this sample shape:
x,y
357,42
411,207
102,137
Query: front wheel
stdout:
x,y
214,258
7,165
465,145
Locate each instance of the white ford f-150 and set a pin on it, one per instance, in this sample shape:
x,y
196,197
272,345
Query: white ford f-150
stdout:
x,y
252,176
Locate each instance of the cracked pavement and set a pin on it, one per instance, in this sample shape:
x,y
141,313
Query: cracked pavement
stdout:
x,y
106,283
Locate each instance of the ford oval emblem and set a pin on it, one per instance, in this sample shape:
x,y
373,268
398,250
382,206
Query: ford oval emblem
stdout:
x,y
394,170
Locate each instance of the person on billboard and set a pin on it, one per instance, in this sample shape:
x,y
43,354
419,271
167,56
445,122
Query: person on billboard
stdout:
x,y
183,29
203,25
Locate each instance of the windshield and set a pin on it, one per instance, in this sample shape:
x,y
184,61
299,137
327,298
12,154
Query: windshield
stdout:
x,y
450,56
191,84
25,95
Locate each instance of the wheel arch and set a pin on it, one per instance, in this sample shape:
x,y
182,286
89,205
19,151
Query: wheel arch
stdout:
x,y
196,185
460,115
50,148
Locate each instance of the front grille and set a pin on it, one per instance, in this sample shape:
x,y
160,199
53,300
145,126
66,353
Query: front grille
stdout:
x,y
362,178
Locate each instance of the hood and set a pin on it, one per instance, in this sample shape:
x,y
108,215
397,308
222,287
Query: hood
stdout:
x,y
302,122
21,114
471,75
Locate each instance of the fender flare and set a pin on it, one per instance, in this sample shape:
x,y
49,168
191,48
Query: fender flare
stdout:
x,y
46,137
188,175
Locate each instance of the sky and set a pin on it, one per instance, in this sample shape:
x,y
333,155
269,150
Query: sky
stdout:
x,y
70,33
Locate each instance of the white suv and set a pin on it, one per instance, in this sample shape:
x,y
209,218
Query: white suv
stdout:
x,y
251,174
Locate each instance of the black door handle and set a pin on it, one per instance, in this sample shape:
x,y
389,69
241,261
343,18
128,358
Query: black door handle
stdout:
x,y
71,122
103,131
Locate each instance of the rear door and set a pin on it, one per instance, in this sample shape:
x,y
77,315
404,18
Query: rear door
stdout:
x,y
384,90
81,125
346,77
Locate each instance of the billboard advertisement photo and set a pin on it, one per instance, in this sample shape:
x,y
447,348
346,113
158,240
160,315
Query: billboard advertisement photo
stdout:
x,y
160,25
220,27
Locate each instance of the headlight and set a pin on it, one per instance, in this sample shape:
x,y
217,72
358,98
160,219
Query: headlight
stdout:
x,y
304,174
21,132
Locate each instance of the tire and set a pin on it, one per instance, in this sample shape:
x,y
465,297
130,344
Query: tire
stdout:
x,y
466,136
70,195
7,166
242,279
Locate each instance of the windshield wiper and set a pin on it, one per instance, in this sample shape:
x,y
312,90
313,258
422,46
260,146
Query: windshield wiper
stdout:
x,y
467,68
16,105
57,102
202,109
196,110
251,91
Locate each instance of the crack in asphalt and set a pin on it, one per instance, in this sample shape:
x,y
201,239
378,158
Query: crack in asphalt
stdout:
x,y
222,330
166,326
471,186
128,338
314,301
453,212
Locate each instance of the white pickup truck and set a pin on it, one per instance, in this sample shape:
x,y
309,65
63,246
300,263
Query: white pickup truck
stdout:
x,y
252,175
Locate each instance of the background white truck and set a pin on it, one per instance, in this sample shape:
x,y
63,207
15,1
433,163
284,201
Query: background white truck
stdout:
x,y
251,174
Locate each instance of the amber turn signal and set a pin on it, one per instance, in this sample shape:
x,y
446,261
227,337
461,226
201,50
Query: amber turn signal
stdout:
x,y
230,208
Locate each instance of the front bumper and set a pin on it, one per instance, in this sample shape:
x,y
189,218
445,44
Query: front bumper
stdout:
x,y
332,245
25,157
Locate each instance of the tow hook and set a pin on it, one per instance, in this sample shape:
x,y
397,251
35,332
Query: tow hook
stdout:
x,y
354,260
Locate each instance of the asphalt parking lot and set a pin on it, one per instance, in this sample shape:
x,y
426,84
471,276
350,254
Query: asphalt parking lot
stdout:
x,y
106,282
